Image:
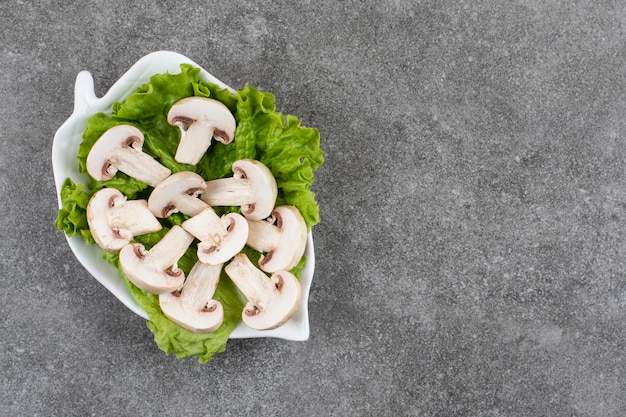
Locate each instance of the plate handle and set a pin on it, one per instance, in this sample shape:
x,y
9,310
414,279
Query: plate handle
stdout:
x,y
84,94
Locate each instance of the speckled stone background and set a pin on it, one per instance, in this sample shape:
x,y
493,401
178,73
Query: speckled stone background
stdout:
x,y
471,257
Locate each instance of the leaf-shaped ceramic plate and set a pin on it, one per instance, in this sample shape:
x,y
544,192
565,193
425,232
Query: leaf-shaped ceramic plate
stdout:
x,y
65,148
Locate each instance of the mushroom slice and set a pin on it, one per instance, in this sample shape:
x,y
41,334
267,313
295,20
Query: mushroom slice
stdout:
x,y
156,270
200,119
252,187
114,221
120,148
220,237
271,301
281,237
178,193
193,307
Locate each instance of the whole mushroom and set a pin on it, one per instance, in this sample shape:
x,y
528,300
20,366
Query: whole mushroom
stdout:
x,y
281,238
114,221
193,306
156,270
220,238
271,301
200,119
178,193
252,187
120,149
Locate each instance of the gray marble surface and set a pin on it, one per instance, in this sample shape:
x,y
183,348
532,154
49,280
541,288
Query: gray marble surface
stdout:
x,y
471,259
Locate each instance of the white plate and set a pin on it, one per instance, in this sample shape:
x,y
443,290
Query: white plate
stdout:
x,y
64,164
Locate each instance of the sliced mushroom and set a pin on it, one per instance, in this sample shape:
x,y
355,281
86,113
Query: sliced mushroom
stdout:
x,y
114,221
193,306
252,187
281,237
120,148
220,238
271,301
200,119
156,270
178,193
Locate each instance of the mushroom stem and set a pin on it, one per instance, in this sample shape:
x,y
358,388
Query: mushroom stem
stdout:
x,y
200,285
251,281
139,165
263,236
194,141
191,205
233,191
133,217
166,253
206,226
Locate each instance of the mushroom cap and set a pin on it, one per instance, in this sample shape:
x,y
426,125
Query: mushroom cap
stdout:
x,y
114,231
144,275
281,307
287,246
191,109
263,182
252,187
193,307
98,159
232,243
175,194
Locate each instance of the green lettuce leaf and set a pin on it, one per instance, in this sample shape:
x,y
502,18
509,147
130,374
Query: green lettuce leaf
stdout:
x,y
72,217
169,336
291,152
